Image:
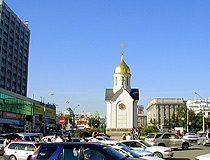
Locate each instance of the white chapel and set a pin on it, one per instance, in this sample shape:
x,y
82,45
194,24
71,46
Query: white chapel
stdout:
x,y
121,101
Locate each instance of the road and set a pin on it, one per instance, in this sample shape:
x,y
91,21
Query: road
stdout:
x,y
185,154
191,153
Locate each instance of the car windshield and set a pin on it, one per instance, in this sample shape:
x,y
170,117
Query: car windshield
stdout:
x,y
151,136
108,139
32,138
146,144
123,145
114,153
131,152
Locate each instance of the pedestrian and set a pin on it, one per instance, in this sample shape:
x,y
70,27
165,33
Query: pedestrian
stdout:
x,y
178,133
128,137
94,133
97,133
68,138
54,138
59,139
37,140
136,134
83,139
123,137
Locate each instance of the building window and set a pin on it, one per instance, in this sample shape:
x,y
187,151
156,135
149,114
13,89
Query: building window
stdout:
x,y
127,81
115,81
122,106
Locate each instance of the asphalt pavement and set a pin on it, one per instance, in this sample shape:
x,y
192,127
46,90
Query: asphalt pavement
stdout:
x,y
191,153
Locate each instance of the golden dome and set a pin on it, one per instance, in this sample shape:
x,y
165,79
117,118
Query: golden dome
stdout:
x,y
122,67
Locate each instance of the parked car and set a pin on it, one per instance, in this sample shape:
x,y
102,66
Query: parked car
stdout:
x,y
159,151
77,150
191,137
130,153
204,138
167,140
100,138
203,157
140,152
26,136
2,145
19,150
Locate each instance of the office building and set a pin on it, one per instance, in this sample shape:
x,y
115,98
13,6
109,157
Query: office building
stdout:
x,y
199,105
141,117
162,111
14,51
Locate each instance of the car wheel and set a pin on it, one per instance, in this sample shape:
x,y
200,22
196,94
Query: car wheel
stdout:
x,y
12,158
185,146
158,155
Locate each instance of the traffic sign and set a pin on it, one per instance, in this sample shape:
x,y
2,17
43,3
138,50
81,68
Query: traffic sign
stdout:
x,y
61,120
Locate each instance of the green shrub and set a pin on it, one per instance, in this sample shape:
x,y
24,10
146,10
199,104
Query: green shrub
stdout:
x,y
147,130
83,132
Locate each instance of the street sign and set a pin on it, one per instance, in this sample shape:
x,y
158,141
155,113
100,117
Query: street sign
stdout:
x,y
61,120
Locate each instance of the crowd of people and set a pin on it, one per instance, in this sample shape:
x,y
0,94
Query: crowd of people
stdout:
x,y
59,138
133,134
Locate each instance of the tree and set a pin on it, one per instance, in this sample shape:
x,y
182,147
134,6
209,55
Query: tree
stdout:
x,y
182,116
196,120
93,122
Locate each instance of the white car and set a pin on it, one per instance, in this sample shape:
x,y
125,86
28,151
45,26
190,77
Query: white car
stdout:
x,y
101,138
159,151
127,152
115,144
19,150
191,137
203,157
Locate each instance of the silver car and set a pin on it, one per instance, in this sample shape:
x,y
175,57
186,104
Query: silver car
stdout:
x,y
204,138
19,150
167,140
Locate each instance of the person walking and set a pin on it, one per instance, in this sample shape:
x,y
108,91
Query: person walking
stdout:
x,y
128,137
59,139
94,133
54,138
83,139
68,138
123,137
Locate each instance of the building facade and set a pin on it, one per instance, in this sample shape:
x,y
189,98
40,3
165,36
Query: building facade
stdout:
x,y
121,101
162,111
21,114
14,51
199,105
141,117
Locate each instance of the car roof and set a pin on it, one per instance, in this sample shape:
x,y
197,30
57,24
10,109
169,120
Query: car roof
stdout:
x,y
74,144
21,134
24,142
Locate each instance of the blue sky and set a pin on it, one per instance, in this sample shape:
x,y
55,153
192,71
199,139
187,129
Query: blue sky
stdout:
x,y
75,47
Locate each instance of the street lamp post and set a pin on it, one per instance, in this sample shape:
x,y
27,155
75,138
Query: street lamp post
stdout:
x,y
51,94
67,102
203,112
73,117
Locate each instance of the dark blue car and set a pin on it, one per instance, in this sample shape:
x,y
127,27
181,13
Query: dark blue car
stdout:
x,y
77,151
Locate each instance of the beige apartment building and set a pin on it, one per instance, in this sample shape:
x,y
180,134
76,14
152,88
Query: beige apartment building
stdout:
x,y
162,110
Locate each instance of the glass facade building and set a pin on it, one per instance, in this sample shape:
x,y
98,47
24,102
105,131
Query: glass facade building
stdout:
x,y
15,105
14,51
21,114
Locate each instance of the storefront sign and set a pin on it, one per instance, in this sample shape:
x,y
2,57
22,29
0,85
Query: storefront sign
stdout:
x,y
9,121
10,115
